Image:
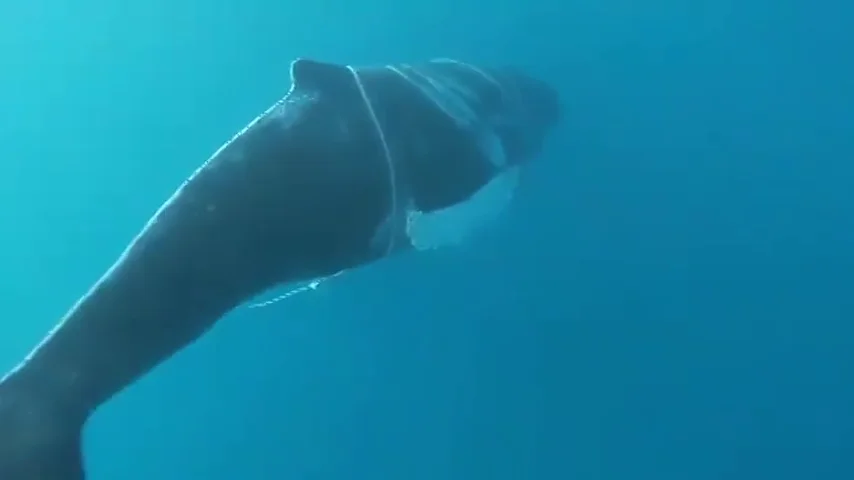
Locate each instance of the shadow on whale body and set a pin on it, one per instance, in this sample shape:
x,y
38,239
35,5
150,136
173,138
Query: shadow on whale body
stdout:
x,y
335,175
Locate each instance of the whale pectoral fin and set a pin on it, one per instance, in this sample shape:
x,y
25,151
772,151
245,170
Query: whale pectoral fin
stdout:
x,y
320,76
457,223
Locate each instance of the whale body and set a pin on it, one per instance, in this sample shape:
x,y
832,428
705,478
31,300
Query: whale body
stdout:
x,y
348,168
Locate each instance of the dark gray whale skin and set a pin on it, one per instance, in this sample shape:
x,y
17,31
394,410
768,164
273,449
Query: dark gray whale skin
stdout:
x,y
302,192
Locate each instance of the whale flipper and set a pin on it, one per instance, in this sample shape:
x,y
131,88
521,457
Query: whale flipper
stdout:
x,y
453,225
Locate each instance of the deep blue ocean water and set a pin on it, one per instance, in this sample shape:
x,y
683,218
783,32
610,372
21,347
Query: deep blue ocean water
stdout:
x,y
670,297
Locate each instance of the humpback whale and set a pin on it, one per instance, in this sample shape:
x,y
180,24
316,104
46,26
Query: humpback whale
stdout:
x,y
337,174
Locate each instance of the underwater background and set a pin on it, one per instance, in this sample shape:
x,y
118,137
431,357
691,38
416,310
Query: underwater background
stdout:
x,y
670,296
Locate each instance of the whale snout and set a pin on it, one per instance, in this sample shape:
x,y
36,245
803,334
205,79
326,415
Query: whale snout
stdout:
x,y
540,100
530,109
544,101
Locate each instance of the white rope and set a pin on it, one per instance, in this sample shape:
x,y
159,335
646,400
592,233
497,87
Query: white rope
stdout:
x,y
392,175
290,293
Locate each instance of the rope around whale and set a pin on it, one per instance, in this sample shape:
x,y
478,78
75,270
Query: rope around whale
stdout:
x,y
392,177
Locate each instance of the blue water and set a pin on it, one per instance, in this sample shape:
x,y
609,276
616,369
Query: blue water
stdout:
x,y
669,298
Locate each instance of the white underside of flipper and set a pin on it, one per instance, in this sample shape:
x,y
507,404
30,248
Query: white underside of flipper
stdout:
x,y
454,225
457,223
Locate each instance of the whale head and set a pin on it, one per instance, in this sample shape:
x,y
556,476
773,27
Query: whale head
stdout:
x,y
517,107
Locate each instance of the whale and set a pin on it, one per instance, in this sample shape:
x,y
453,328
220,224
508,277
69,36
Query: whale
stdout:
x,y
351,166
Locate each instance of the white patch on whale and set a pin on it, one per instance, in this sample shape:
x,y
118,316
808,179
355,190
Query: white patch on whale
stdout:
x,y
455,224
